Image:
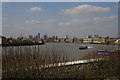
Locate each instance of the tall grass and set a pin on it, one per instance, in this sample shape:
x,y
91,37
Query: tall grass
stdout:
x,y
109,68
28,62
19,61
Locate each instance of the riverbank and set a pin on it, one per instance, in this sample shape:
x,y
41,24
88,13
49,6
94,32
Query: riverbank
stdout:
x,y
22,44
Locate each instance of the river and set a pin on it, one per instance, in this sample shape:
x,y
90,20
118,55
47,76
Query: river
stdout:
x,y
70,49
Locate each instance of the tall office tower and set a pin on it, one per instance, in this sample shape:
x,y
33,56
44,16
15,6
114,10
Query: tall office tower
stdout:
x,y
56,37
45,36
30,36
38,35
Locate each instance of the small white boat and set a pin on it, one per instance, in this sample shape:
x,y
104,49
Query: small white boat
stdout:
x,y
83,47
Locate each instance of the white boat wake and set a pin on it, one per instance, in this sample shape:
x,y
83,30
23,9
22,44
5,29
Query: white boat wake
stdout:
x,y
90,47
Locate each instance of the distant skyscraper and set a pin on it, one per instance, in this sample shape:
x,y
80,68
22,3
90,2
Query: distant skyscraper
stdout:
x,y
53,37
30,36
56,37
38,35
45,36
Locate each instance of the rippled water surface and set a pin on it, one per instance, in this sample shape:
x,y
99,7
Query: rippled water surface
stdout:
x,y
70,49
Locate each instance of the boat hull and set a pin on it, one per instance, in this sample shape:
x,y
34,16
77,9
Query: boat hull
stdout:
x,y
83,47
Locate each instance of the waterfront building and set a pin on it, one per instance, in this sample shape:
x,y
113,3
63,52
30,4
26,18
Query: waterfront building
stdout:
x,y
18,41
87,40
95,39
96,36
117,41
110,40
62,40
3,40
89,36
99,40
76,40
0,39
30,39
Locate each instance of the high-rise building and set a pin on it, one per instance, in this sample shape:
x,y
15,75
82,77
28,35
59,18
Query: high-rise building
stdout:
x,y
56,37
45,36
53,37
38,35
30,36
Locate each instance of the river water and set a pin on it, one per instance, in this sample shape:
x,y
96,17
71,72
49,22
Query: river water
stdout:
x,y
70,49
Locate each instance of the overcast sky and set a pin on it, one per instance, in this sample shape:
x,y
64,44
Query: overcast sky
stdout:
x,y
75,19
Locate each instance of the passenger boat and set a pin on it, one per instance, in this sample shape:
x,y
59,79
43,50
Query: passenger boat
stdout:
x,y
83,47
104,52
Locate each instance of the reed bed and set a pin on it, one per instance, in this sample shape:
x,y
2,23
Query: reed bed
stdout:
x,y
106,69
24,61
28,62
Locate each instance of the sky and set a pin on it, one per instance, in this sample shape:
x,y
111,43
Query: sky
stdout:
x,y
60,0
76,19
0,18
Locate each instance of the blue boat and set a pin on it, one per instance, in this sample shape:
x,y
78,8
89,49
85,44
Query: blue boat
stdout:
x,y
104,52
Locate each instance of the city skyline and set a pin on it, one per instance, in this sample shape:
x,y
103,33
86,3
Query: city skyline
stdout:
x,y
75,19
38,36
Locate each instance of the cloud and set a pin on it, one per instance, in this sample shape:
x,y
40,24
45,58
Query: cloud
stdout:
x,y
34,9
88,20
75,21
105,18
90,26
84,9
31,21
40,21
